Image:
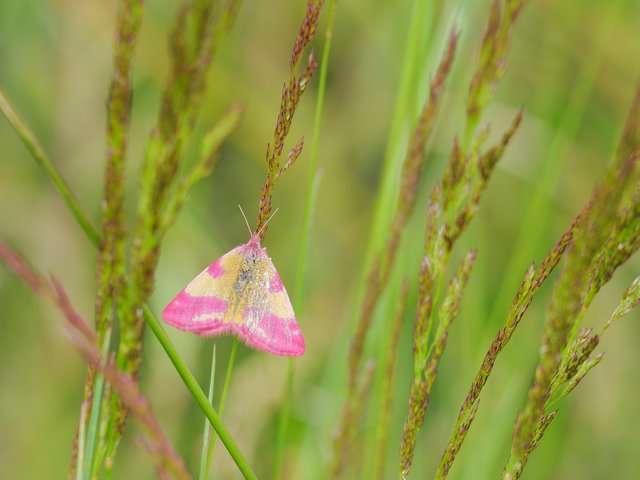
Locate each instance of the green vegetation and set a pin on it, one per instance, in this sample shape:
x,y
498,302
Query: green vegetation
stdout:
x,y
508,155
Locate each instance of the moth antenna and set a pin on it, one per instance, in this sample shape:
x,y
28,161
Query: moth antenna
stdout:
x,y
245,220
268,220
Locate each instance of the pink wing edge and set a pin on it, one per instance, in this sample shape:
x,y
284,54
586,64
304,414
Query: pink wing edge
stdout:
x,y
284,340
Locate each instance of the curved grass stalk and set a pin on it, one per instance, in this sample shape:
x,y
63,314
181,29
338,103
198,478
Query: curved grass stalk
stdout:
x,y
37,152
197,393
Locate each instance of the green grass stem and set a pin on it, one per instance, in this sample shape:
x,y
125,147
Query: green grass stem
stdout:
x,y
94,419
197,393
406,98
285,412
82,435
298,298
223,397
314,176
204,455
37,152
313,185
283,421
92,432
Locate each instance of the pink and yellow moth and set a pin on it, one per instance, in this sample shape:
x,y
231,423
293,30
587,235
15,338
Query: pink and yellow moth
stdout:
x,y
242,294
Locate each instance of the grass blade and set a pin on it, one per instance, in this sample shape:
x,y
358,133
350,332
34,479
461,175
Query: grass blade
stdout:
x,y
35,149
204,464
223,398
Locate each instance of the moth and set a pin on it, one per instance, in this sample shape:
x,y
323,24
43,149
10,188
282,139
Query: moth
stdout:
x,y
242,294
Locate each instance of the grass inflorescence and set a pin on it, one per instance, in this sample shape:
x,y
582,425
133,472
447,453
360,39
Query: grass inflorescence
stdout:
x,y
123,288
604,239
291,94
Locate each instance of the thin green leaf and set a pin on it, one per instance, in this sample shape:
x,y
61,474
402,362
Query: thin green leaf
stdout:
x,y
206,434
37,152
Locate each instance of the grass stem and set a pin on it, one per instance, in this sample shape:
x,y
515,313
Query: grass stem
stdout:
x,y
406,97
197,393
94,419
204,455
313,185
223,397
35,149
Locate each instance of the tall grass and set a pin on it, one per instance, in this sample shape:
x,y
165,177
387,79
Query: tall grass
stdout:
x,y
402,401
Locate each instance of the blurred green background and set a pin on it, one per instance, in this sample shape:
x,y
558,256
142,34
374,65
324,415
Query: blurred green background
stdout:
x,y
573,65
